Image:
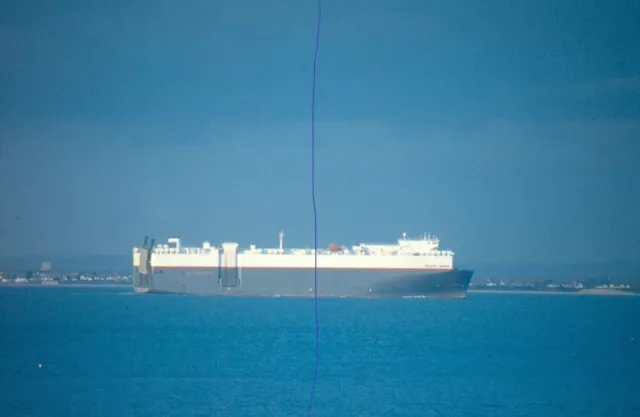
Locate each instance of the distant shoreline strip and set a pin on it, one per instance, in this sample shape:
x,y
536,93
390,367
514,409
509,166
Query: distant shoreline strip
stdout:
x,y
538,292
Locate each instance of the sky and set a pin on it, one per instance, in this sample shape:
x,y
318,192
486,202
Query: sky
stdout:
x,y
510,129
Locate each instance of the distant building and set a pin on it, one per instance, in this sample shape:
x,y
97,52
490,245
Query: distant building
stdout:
x,y
45,266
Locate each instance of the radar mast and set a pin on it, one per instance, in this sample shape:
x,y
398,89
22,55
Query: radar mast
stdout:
x,y
281,235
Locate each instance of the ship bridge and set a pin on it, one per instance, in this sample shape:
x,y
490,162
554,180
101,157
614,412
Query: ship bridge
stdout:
x,y
426,245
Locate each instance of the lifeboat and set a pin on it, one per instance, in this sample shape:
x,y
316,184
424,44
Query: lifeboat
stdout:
x,y
335,248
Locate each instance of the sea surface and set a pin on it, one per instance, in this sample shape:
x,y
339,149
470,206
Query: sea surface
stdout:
x,y
109,352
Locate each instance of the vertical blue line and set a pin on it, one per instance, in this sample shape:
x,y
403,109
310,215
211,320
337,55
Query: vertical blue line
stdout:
x,y
315,213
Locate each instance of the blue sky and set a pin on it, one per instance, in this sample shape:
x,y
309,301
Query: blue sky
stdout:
x,y
509,129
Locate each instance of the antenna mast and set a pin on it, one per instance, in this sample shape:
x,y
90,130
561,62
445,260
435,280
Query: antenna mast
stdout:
x,y
281,241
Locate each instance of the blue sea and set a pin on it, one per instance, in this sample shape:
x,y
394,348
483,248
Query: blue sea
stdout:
x,y
108,352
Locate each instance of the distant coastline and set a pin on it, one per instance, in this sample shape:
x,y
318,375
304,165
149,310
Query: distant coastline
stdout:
x,y
551,292
38,285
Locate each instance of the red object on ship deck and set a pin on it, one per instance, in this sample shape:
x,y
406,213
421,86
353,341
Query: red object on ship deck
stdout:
x,y
335,248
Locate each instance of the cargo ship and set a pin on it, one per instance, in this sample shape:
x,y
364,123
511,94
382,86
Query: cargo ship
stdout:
x,y
406,268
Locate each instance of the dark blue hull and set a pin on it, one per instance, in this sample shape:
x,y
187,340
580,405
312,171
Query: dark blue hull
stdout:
x,y
300,282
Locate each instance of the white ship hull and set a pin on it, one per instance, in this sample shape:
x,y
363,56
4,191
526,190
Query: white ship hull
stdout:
x,y
376,271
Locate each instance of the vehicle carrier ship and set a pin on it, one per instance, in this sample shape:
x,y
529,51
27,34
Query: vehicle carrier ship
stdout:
x,y
408,268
